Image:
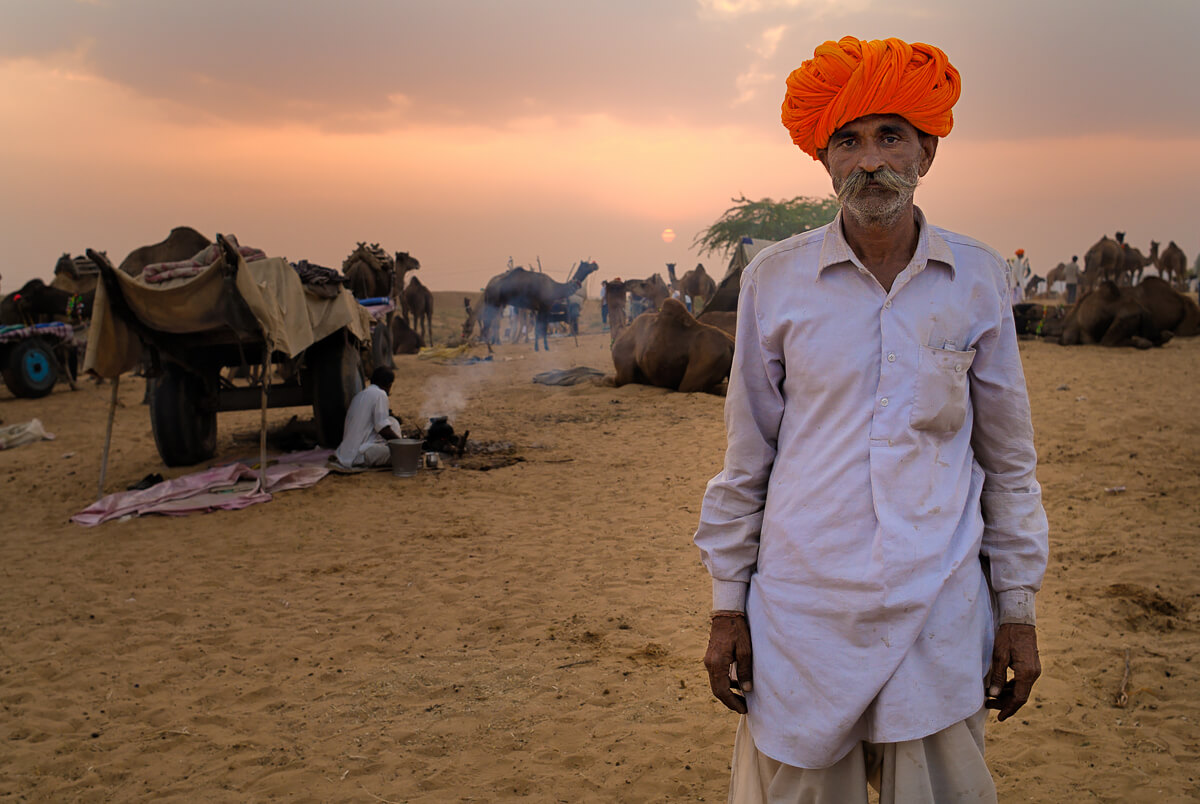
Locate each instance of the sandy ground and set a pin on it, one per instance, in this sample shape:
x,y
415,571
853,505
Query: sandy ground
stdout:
x,y
534,632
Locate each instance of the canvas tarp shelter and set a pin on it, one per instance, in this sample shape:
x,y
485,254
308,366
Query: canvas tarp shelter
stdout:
x,y
725,299
290,319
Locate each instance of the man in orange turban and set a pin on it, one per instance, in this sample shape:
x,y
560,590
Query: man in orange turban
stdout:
x,y
877,535
849,79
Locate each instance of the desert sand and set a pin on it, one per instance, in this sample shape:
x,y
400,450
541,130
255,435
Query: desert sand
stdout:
x,y
534,632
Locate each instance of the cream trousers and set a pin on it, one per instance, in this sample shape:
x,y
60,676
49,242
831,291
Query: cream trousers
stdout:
x,y
943,768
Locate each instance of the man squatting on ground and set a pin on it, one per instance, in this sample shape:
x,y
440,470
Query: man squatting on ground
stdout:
x,y
369,425
877,533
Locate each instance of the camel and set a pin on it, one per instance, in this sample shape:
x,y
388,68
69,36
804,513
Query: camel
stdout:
x,y
648,294
78,275
39,303
404,263
1133,262
1148,314
614,298
1056,274
419,302
1102,262
723,320
528,290
405,340
369,272
1171,264
671,349
696,284
183,242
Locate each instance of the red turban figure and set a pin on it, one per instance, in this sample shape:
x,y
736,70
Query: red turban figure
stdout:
x,y
852,78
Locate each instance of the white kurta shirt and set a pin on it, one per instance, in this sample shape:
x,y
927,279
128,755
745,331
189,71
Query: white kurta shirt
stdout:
x,y
368,414
879,446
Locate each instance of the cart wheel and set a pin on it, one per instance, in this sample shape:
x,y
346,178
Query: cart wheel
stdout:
x,y
333,370
30,370
185,433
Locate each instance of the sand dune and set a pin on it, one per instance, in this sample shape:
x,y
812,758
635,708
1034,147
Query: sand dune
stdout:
x,y
534,632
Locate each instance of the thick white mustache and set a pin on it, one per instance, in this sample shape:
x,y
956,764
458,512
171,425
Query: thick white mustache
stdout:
x,y
884,177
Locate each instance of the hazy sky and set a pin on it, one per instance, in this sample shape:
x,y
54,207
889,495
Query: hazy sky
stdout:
x,y
467,132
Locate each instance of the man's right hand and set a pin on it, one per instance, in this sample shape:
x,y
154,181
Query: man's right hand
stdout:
x,y
729,642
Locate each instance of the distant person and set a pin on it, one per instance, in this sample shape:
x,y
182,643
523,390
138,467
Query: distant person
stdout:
x,y
877,535
1071,278
604,304
1020,273
369,424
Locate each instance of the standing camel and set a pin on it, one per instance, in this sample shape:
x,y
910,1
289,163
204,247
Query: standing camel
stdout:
x,y
1171,264
419,303
1133,262
405,262
1103,262
696,285
528,290
614,296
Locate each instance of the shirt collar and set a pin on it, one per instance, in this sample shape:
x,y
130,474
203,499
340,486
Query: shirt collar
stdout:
x,y
931,247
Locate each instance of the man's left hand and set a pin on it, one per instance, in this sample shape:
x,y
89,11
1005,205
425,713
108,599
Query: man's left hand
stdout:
x,y
1015,647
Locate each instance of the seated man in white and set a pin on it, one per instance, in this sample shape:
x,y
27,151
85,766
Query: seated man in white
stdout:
x,y
369,424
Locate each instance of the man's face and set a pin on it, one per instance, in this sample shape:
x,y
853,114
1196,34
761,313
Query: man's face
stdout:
x,y
876,163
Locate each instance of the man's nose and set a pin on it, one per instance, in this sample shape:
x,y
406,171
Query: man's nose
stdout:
x,y
870,158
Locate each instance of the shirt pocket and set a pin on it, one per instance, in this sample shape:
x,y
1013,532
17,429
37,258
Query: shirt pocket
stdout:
x,y
941,394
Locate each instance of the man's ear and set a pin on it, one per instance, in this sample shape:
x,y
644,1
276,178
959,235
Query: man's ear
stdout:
x,y
929,144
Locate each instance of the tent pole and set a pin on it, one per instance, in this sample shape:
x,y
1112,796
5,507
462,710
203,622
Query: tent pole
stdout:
x,y
112,412
262,432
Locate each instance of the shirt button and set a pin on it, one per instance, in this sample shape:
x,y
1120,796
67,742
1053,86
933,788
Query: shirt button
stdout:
x,y
887,304
883,402
891,357
958,368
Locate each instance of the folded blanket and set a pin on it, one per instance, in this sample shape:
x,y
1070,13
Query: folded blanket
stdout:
x,y
571,376
162,271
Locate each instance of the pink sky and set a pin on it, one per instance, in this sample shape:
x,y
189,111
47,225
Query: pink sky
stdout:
x,y
468,133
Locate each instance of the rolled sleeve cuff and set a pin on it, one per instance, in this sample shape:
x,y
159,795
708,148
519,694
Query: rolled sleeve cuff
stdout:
x,y
1016,607
729,595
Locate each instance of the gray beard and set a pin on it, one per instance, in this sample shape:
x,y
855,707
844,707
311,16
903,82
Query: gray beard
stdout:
x,y
877,211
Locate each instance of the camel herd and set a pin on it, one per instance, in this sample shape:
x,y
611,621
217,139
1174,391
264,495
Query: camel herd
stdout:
x,y
663,332
1116,261
373,273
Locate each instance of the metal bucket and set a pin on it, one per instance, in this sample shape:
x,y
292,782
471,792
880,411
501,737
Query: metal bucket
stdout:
x,y
406,456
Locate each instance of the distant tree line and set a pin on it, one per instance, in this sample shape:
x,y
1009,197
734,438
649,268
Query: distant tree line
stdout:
x,y
765,219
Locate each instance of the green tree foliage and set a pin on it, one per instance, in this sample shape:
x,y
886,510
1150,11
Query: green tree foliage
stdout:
x,y
766,219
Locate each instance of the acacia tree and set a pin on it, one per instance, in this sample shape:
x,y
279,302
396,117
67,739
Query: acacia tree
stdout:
x,y
766,219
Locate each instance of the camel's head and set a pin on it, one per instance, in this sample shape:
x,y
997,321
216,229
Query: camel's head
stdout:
x,y
585,270
66,265
405,262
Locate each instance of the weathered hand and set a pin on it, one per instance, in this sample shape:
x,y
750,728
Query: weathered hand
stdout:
x,y
729,642
1015,647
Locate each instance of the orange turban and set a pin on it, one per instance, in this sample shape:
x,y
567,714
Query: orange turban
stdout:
x,y
851,78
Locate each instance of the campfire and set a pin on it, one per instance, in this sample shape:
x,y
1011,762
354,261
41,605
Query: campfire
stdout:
x,y
459,451
440,437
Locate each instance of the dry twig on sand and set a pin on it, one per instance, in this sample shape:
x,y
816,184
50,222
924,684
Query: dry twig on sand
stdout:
x,y
1122,699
